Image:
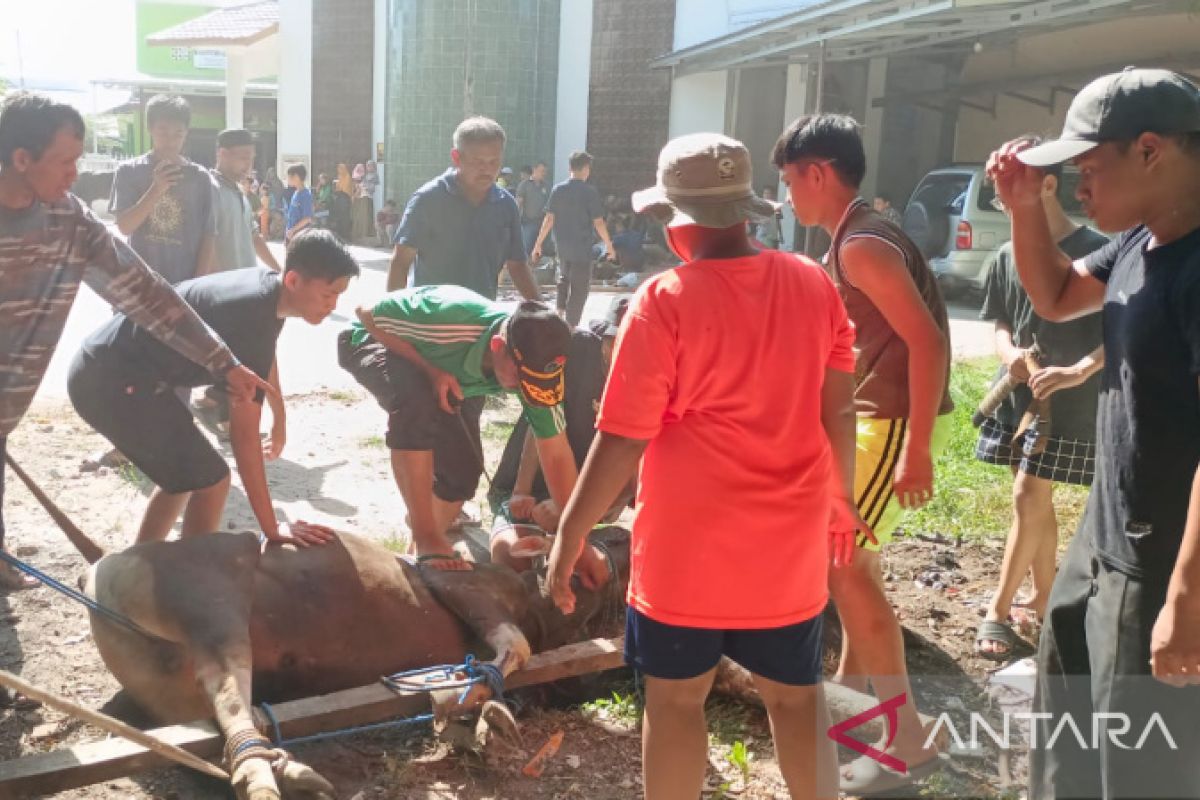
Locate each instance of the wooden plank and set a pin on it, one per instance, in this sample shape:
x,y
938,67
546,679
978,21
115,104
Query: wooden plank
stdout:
x,y
92,762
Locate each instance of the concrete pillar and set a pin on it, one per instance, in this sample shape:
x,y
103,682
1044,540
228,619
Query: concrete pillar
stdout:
x,y
574,80
379,100
795,103
235,86
873,125
699,103
294,132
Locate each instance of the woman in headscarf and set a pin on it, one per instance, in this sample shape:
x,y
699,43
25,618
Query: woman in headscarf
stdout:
x,y
362,215
344,182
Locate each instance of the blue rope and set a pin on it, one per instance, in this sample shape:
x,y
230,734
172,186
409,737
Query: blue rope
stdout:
x,y
435,679
76,595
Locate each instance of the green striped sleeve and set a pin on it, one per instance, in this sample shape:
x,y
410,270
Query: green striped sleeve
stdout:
x,y
545,422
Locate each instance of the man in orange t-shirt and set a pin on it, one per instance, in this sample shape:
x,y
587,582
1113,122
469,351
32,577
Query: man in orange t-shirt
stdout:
x,y
732,382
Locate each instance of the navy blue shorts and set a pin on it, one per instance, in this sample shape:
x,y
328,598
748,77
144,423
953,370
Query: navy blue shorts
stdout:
x,y
790,655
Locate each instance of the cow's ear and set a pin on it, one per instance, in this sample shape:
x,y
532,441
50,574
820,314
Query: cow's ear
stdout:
x,y
531,547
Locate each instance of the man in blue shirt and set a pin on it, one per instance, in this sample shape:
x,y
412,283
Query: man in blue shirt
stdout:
x,y
461,228
300,207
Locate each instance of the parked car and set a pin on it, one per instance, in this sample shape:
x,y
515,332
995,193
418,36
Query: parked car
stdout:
x,y
955,220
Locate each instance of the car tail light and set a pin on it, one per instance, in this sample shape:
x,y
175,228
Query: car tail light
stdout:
x,y
964,237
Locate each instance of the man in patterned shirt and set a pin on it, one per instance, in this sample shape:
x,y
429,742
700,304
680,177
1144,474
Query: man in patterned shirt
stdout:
x,y
49,242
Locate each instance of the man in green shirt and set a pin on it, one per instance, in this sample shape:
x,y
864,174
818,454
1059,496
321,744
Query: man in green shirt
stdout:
x,y
430,356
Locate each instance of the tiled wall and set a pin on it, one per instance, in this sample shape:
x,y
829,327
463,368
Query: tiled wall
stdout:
x,y
630,104
343,43
450,59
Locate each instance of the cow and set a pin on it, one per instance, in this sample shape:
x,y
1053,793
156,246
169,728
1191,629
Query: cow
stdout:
x,y
231,622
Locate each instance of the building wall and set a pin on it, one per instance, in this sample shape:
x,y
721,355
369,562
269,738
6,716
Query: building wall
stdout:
x,y
574,81
629,107
295,84
454,58
343,83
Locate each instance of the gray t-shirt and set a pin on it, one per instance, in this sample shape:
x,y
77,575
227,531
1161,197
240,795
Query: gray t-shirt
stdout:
x,y
170,238
235,225
574,204
533,196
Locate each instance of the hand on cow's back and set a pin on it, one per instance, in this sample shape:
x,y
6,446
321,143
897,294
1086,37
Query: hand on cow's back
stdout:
x,y
301,533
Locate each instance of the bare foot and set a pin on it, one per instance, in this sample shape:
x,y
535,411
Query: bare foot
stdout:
x,y
13,580
439,554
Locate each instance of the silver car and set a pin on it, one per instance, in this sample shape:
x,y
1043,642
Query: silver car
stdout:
x,y
956,220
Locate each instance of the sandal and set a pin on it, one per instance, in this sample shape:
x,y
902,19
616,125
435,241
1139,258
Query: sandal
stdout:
x,y
460,564
868,777
991,630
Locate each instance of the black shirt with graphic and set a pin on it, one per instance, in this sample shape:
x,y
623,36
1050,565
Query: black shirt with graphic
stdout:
x,y
1149,407
1073,411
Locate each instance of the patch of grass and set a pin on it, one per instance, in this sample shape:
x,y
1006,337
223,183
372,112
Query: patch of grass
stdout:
x,y
397,544
623,708
343,396
728,721
972,499
740,757
497,430
374,441
130,474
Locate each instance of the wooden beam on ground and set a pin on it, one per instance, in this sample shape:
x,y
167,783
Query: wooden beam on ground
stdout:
x,y
92,762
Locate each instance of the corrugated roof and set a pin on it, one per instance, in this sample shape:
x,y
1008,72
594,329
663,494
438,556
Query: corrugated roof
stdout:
x,y
234,25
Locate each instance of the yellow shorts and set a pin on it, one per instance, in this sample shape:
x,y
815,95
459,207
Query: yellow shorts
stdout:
x,y
879,442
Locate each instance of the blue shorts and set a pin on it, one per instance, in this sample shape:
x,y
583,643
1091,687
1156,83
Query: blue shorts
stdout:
x,y
790,655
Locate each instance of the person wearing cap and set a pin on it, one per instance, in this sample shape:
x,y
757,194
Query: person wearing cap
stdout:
x,y
731,384
573,211
239,244
902,401
518,489
424,354
1124,609
461,228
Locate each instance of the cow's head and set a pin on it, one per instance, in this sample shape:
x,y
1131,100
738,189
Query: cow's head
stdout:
x,y
598,612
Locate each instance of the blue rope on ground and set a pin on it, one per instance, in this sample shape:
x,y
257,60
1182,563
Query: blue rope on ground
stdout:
x,y
436,679
76,595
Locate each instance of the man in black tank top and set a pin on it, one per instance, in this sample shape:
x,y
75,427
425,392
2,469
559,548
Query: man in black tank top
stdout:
x,y
901,400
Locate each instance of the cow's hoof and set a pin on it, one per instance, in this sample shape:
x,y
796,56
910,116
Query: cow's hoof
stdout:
x,y
302,781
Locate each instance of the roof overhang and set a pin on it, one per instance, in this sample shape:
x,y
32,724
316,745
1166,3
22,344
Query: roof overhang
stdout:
x,y
232,26
196,87
849,30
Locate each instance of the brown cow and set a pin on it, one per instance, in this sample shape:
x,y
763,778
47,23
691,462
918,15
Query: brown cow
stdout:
x,y
238,623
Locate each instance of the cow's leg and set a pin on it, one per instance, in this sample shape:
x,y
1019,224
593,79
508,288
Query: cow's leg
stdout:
x,y
490,601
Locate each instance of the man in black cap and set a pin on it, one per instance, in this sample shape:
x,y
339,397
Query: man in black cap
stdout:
x,y
421,352
1125,607
238,239
518,489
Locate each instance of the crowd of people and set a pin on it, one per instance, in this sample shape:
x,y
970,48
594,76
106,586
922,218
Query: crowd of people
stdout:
x,y
770,417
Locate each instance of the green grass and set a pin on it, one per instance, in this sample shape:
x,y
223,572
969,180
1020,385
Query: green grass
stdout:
x,y
497,431
973,500
397,544
620,707
374,441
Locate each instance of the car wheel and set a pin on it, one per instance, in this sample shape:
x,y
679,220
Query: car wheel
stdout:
x,y
929,230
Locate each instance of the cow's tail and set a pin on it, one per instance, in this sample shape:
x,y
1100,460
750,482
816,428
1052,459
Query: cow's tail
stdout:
x,y
83,543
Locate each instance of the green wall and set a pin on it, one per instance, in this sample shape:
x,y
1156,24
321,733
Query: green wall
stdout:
x,y
169,62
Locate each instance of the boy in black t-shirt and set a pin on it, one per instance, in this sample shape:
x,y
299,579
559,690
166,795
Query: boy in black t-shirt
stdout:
x,y
1123,622
123,383
1038,457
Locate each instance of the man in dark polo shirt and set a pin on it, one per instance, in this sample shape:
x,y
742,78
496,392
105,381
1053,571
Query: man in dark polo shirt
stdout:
x,y
1125,607
461,228
573,211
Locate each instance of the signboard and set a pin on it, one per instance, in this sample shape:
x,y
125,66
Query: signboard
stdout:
x,y
208,59
162,61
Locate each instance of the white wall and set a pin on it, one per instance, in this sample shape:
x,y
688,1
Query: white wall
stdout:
x,y
379,98
574,77
698,103
295,84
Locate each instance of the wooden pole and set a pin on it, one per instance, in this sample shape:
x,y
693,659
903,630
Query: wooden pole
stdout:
x,y
112,725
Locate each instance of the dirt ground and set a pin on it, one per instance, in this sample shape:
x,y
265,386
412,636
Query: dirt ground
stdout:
x,y
340,477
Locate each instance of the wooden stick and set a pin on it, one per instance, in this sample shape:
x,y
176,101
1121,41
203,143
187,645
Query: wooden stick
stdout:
x,y
91,551
92,762
112,725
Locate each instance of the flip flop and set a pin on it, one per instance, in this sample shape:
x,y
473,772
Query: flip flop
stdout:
x,y
991,630
869,778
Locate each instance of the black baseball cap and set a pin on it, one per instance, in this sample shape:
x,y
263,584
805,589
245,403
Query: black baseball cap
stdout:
x,y
1119,108
538,340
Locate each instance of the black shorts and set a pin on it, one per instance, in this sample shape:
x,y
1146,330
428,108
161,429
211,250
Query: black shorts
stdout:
x,y
790,655
147,422
1063,461
415,419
